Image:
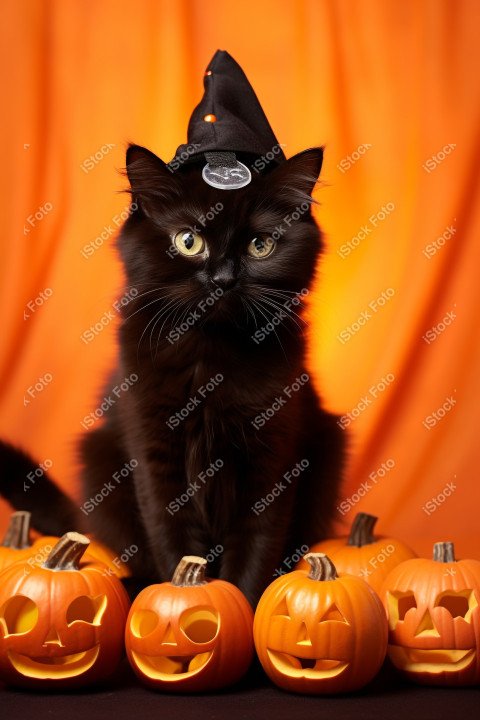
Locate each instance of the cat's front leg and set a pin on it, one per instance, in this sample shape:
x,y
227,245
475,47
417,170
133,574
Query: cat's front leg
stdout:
x,y
168,517
254,551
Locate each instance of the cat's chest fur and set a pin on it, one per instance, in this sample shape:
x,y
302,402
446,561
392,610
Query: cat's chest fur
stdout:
x,y
203,401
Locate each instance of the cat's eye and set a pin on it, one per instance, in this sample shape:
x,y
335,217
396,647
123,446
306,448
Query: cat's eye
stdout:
x,y
261,247
189,243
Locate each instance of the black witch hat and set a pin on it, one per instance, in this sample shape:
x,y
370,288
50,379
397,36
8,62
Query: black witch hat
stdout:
x,y
228,120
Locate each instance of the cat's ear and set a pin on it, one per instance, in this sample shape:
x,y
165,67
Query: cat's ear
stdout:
x,y
296,178
152,183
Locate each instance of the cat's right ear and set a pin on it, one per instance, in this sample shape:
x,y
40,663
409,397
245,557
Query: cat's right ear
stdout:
x,y
152,183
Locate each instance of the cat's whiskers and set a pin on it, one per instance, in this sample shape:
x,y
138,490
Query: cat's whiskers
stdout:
x,y
281,309
249,310
143,307
174,311
168,311
155,317
257,304
277,290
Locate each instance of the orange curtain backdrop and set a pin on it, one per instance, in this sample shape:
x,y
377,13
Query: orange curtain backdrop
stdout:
x,y
391,88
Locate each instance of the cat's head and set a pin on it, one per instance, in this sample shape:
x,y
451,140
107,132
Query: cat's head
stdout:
x,y
238,254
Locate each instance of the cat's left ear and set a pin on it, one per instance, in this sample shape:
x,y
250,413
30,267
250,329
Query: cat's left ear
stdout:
x,y
151,181
296,178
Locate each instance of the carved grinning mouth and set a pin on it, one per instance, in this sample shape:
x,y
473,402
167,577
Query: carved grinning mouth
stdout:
x,y
171,667
54,668
431,661
314,668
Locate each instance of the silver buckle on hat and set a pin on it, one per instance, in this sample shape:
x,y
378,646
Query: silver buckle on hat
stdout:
x,y
224,172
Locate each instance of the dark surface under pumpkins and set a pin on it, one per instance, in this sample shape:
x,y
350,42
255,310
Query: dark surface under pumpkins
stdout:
x,y
387,697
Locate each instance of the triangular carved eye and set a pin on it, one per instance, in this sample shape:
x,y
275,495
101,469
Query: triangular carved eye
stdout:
x,y
87,609
334,614
399,603
282,608
458,604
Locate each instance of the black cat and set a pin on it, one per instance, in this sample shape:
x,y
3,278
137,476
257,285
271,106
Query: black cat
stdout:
x,y
216,443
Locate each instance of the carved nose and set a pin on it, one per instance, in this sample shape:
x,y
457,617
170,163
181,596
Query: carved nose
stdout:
x,y
426,626
52,638
224,277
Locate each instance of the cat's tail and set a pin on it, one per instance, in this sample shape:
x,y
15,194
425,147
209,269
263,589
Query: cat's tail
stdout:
x,y
27,486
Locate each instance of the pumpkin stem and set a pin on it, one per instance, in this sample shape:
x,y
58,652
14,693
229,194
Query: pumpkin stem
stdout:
x,y
17,535
321,567
67,553
444,552
190,571
361,532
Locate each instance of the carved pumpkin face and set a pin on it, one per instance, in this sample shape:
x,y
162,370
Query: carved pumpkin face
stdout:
x,y
180,637
320,633
434,619
60,627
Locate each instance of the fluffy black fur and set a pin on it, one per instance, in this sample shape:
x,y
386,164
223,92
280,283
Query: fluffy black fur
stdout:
x,y
221,511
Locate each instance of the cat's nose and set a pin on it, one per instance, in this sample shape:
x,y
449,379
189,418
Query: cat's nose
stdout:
x,y
224,277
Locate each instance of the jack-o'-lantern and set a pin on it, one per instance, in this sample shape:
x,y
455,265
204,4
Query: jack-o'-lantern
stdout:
x,y
318,632
190,634
434,618
362,553
62,621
